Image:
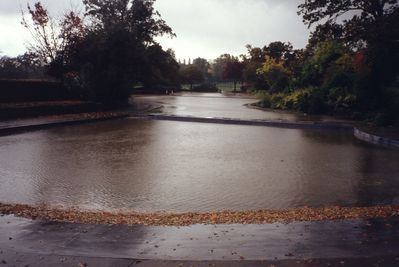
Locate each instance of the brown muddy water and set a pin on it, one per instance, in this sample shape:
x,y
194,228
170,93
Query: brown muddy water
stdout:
x,y
145,165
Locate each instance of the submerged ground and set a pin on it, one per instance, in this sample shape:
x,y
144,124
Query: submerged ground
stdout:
x,y
150,165
137,164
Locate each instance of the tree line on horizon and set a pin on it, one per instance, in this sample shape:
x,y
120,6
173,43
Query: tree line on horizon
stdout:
x,y
349,66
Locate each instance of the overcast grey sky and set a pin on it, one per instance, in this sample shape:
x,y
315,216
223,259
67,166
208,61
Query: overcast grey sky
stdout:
x,y
204,28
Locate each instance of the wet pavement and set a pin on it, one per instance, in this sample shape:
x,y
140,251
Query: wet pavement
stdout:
x,y
279,243
12,258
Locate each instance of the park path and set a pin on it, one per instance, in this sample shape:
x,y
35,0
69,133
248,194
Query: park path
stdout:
x,y
301,241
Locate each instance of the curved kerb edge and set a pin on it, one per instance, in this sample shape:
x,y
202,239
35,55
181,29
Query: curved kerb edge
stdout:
x,y
374,139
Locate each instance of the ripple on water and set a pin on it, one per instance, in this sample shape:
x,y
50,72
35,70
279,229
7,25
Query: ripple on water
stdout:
x,y
172,166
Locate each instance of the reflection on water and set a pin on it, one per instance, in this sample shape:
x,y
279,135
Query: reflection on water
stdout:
x,y
173,166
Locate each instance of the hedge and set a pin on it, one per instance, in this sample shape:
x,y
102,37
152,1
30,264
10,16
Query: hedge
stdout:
x,y
33,90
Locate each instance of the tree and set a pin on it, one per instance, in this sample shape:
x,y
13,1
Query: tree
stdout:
x,y
279,50
191,75
163,68
256,54
218,66
275,74
366,22
24,66
255,59
325,33
117,51
316,67
203,65
51,37
138,17
371,29
366,11
233,71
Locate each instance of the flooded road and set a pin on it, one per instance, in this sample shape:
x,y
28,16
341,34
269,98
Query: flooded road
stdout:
x,y
216,105
146,165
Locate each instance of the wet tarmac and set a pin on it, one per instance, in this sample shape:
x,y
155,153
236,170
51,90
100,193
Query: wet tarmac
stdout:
x,y
15,259
291,244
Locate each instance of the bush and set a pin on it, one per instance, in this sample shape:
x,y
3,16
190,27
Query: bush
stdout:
x,y
341,101
292,99
312,101
277,101
265,99
308,100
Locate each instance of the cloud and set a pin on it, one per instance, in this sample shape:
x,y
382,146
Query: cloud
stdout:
x,y
13,7
208,28
205,28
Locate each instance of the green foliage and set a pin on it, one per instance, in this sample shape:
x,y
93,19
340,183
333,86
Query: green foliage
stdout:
x,y
117,51
163,70
233,70
317,66
21,67
191,75
354,60
311,100
278,51
340,100
275,74
366,25
277,101
104,64
265,99
203,65
217,67
308,100
341,72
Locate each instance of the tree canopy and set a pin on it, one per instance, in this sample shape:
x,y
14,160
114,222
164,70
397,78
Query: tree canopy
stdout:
x,y
107,51
362,21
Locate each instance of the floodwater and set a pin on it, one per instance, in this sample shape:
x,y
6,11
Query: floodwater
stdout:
x,y
146,165
216,105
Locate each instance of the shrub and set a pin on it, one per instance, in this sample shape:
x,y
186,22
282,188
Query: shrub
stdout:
x,y
265,99
340,100
310,100
292,99
277,101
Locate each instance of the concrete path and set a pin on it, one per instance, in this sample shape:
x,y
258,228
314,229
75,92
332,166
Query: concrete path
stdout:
x,y
355,241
